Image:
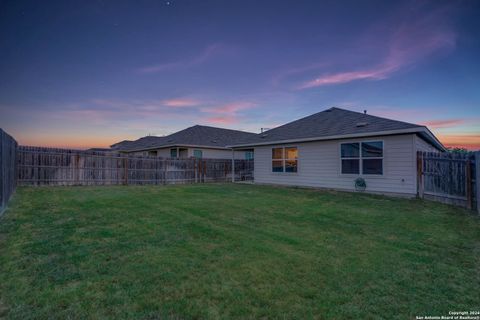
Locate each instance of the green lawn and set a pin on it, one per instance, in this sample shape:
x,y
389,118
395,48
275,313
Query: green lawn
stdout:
x,y
233,251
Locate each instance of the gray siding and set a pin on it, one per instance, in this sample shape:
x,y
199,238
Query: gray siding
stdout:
x,y
422,145
212,153
319,166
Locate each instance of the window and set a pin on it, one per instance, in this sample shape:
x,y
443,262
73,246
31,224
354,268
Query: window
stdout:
x,y
152,153
372,157
173,153
368,161
350,158
285,159
198,154
248,155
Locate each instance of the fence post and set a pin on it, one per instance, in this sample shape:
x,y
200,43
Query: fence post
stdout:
x,y
195,168
204,173
125,165
468,189
77,169
477,179
420,185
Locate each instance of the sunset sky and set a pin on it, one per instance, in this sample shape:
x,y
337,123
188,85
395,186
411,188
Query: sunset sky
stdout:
x,y
90,73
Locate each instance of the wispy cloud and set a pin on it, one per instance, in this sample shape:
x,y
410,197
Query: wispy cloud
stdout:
x,y
227,113
229,108
181,102
412,41
208,53
435,124
222,120
116,113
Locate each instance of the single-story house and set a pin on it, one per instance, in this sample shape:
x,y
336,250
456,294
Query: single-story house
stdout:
x,y
197,141
332,148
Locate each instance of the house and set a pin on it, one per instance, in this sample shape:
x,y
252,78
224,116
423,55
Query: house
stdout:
x,y
332,148
197,141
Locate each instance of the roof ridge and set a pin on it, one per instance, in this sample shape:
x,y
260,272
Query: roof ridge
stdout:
x,y
378,117
212,127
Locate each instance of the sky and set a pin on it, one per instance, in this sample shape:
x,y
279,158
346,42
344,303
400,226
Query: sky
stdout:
x,y
84,74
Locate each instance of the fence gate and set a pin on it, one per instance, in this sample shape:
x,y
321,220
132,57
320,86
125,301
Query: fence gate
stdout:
x,y
448,177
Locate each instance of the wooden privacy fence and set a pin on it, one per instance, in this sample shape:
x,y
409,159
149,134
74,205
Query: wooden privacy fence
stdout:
x,y
449,177
48,166
8,177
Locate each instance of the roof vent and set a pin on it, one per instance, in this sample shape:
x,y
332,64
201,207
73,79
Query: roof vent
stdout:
x,y
362,124
264,136
214,141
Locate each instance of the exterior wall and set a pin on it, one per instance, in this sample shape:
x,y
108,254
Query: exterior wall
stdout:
x,y
319,166
422,145
218,154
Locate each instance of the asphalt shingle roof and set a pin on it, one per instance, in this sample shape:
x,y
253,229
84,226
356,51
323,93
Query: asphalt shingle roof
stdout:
x,y
193,136
330,122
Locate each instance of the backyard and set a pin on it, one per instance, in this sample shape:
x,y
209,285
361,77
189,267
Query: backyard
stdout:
x,y
233,251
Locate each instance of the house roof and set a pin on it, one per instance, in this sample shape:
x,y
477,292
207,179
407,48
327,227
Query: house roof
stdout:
x,y
196,136
336,123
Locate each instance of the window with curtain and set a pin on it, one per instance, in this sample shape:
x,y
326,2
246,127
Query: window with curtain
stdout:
x,y
285,159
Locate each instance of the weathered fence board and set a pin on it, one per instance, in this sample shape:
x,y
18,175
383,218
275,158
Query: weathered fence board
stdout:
x,y
448,177
47,166
8,176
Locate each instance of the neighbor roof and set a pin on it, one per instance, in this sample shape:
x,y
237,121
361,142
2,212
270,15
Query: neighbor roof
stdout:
x,y
336,123
196,136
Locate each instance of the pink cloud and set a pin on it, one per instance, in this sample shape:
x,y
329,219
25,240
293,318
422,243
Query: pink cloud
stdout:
x,y
444,123
344,77
229,108
228,113
181,102
412,42
208,53
222,120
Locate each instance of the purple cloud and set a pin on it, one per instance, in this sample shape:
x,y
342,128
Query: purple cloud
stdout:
x,y
413,41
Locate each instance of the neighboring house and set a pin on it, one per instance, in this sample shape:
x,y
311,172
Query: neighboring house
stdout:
x,y
197,141
332,148
120,144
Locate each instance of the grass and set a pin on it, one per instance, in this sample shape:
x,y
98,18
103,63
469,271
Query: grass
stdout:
x,y
233,251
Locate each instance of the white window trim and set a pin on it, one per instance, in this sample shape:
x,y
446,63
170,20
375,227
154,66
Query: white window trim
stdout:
x,y
283,159
361,158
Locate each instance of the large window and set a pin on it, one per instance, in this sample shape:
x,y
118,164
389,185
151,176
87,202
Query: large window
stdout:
x,y
285,159
364,157
173,153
